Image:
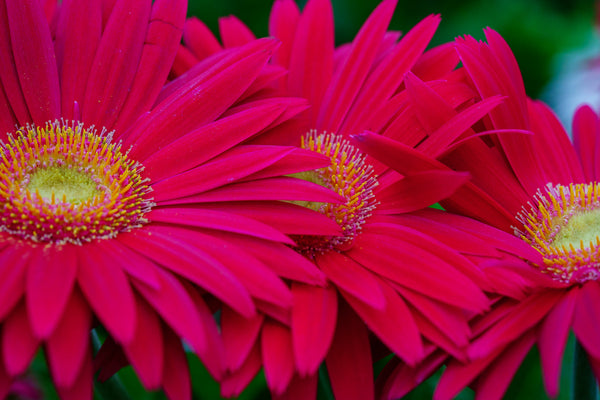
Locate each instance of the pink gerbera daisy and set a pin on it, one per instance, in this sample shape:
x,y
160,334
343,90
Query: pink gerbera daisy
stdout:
x,y
542,190
111,193
387,282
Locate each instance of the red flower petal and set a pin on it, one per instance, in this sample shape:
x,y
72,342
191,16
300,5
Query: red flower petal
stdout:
x,y
82,386
108,292
116,62
78,34
176,376
13,271
239,335
552,338
278,359
69,344
35,59
349,78
586,128
145,352
313,322
233,384
50,278
349,361
300,388
18,341
586,323
233,32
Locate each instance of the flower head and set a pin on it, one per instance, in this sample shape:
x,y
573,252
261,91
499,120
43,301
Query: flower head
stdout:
x,y
381,273
122,201
536,198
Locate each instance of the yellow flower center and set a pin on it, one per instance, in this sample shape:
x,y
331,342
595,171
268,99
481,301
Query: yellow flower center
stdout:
x,y
64,183
564,226
350,177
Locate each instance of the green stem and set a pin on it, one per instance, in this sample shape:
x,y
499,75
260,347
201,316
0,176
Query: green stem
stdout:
x,y
585,386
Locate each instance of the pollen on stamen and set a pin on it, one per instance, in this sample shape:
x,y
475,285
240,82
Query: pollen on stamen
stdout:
x,y
63,183
564,226
350,177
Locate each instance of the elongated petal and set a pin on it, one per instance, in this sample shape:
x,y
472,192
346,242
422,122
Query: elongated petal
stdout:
x,y
233,384
77,37
313,322
585,319
176,308
347,81
233,32
300,388
134,264
35,59
586,130
160,45
146,352
394,325
352,277
176,377
349,361
13,272
278,358
552,339
116,62
311,61
50,279
239,335
68,346
108,292
82,385
192,263
19,343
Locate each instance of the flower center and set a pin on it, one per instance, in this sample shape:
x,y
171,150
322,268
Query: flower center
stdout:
x,y
564,227
350,177
64,183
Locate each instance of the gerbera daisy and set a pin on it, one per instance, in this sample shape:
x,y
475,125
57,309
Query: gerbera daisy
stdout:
x,y
110,193
387,283
542,190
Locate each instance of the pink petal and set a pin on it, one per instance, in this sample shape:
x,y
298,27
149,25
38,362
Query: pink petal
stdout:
x,y
176,308
420,190
495,380
9,75
300,388
68,346
393,325
78,33
82,386
176,376
218,172
586,324
195,104
160,46
278,358
281,259
586,129
233,32
134,264
403,378
116,62
192,263
213,219
146,352
278,188
313,322
349,361
384,80
50,279
108,292
524,316
285,217
232,385
349,78
213,356
210,140
552,338
13,272
18,341
35,59
352,277
283,21
436,62
239,335
311,61
198,37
